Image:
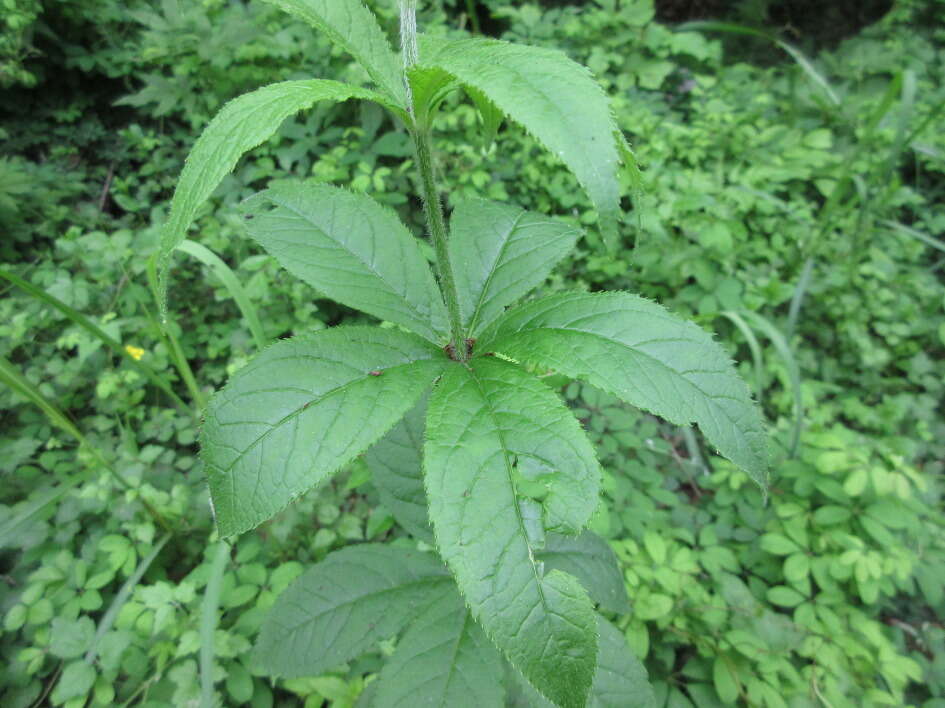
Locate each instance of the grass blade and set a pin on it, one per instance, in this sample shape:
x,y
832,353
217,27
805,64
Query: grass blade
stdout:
x,y
913,233
232,284
209,617
11,529
756,356
797,299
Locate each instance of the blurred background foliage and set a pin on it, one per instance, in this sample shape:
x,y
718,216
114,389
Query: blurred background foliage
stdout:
x,y
793,203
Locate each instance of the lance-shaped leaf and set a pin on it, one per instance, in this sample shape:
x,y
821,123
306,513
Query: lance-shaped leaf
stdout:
x,y
638,351
241,125
499,253
492,430
553,98
443,661
352,249
303,408
620,680
590,559
396,463
341,607
350,25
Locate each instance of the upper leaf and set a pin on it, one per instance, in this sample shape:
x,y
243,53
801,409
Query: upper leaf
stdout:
x,y
241,125
339,608
352,26
591,560
303,408
498,442
553,98
443,661
499,253
352,249
396,463
640,352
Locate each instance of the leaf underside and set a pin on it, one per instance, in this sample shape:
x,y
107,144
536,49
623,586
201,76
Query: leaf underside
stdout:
x,y
490,424
640,352
303,408
352,249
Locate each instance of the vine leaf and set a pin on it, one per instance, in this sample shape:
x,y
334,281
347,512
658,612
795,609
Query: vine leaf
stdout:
x,y
352,249
499,443
640,352
339,608
302,409
241,125
553,98
499,253
350,25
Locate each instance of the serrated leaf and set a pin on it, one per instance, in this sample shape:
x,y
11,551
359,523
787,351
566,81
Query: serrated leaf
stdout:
x,y
640,352
489,113
500,252
349,24
429,86
553,98
396,463
591,560
444,660
341,607
241,125
303,408
620,680
352,249
488,424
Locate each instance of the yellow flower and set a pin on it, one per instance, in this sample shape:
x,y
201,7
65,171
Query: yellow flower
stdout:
x,y
135,352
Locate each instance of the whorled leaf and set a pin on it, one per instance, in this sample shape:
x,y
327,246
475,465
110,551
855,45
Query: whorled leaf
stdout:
x,y
303,408
342,606
499,443
352,249
640,352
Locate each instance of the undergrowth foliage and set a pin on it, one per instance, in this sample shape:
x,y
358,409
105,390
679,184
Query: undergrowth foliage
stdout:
x,y
510,480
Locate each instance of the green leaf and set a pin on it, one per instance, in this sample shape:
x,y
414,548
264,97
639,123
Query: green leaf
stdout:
x,y
490,426
396,463
490,115
725,684
241,125
349,24
303,408
591,560
443,660
638,351
341,607
70,638
352,249
553,98
499,253
76,681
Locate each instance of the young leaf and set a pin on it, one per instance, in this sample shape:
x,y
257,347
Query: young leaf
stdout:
x,y
241,125
499,253
443,661
349,24
353,250
490,428
339,608
396,463
590,559
490,114
638,351
553,98
303,408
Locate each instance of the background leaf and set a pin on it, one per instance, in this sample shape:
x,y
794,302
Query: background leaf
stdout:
x,y
590,559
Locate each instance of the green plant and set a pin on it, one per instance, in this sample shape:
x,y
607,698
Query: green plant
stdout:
x,y
509,476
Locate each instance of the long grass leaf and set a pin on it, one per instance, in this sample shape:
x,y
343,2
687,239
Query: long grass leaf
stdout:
x,y
756,355
232,284
797,299
11,529
209,616
913,233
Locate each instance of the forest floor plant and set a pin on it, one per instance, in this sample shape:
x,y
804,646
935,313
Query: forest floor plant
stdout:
x,y
476,454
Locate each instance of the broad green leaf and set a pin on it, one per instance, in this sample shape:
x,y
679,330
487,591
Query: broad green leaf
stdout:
x,y
620,680
499,253
429,86
443,661
303,408
341,607
591,560
352,249
553,98
241,125
638,351
349,24
491,429
396,463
